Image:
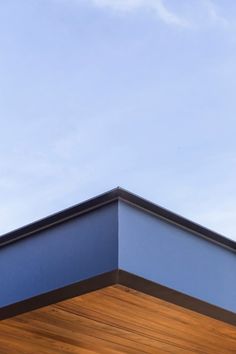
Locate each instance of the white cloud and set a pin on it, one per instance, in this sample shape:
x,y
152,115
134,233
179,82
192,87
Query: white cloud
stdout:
x,y
156,6
214,14
196,15
200,14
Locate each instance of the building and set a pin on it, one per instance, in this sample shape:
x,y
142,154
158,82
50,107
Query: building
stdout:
x,y
117,274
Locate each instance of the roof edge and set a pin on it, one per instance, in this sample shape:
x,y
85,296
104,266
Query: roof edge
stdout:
x,y
177,219
107,198
60,217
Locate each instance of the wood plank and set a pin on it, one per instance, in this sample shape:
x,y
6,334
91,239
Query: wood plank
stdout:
x,y
115,320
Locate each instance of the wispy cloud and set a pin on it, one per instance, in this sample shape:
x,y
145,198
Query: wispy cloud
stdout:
x,y
214,15
201,14
157,6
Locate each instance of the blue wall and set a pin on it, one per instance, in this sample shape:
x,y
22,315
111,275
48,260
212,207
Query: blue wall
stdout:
x,y
166,254
118,236
67,253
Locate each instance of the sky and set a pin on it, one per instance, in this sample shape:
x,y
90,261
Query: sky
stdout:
x,y
96,94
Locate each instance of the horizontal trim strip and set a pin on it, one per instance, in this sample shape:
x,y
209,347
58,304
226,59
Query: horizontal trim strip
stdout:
x,y
124,278
109,197
54,296
175,297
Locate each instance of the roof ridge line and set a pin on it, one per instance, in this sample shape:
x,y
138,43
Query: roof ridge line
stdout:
x,y
112,195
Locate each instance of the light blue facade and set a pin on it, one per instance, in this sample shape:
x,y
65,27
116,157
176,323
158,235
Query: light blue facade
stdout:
x,y
164,253
67,253
118,236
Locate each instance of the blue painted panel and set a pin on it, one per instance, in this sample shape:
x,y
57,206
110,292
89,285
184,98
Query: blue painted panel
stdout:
x,y
75,250
166,254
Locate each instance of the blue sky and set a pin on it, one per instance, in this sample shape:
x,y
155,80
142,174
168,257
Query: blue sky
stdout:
x,y
100,93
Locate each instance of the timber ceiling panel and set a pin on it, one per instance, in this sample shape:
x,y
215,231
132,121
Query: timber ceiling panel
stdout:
x,y
115,320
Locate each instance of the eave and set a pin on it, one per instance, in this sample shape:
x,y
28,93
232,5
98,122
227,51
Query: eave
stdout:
x,y
96,244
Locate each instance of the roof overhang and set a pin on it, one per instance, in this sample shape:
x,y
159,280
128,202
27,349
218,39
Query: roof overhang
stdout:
x,y
115,320
118,238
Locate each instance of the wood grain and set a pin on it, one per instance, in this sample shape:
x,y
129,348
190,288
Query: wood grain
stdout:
x,y
115,320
